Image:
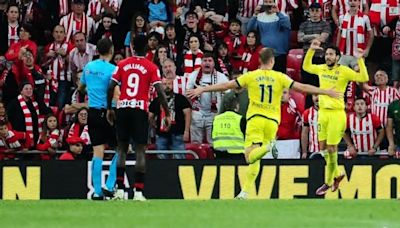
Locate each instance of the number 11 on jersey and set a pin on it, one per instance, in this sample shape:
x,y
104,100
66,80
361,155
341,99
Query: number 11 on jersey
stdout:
x,y
262,88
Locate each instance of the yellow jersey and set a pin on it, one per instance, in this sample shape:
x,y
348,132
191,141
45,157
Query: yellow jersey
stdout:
x,y
335,78
265,88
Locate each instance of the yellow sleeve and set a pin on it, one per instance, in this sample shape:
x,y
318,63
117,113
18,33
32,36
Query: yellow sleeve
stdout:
x,y
307,64
361,76
243,80
286,81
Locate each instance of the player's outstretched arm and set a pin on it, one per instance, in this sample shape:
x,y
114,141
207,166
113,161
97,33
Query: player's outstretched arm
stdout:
x,y
192,93
361,76
315,90
307,64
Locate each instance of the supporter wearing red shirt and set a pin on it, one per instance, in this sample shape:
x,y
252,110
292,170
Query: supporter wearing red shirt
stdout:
x,y
251,51
25,34
235,41
75,146
12,141
289,128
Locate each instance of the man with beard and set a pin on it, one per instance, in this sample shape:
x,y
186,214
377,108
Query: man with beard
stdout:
x,y
332,117
206,106
172,138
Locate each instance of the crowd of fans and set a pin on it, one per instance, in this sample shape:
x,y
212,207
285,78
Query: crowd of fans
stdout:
x,y
45,44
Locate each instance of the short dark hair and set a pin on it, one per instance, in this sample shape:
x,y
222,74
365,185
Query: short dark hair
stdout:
x,y
12,5
360,98
104,46
139,44
266,54
230,103
235,20
335,48
191,12
208,54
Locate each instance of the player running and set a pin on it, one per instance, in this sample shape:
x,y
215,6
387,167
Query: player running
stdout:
x,y
332,115
265,87
134,75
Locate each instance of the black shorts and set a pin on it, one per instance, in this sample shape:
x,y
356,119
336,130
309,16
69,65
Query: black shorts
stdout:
x,y
132,124
100,131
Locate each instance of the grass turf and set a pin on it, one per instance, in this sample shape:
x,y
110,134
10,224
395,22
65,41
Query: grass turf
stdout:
x,y
212,213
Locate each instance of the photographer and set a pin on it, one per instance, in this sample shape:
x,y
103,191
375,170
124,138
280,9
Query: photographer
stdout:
x,y
274,28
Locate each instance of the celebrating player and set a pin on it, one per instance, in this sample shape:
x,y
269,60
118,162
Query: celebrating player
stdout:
x,y
265,88
332,115
135,75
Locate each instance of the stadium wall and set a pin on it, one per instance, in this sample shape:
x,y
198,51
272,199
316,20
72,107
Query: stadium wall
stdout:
x,y
203,179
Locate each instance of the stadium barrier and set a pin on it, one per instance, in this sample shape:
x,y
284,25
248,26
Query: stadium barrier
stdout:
x,y
203,179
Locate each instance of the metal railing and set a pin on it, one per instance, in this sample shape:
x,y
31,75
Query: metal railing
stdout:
x,y
377,153
191,152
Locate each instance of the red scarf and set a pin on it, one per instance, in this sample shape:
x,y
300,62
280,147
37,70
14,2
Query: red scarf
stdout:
x,y
10,142
28,115
192,61
58,64
75,131
359,24
83,28
173,50
223,67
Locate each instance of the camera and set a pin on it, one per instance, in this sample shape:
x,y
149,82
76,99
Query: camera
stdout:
x,y
266,8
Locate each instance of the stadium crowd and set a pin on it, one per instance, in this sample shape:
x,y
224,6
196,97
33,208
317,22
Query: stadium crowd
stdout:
x,y
45,45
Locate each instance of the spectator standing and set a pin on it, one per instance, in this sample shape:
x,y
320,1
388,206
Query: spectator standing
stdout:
x,y
9,28
207,105
78,21
139,27
180,82
274,28
289,127
250,56
309,131
193,57
314,28
80,55
172,138
56,58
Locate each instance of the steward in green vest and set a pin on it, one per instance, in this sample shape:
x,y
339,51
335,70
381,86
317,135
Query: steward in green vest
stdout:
x,y
228,132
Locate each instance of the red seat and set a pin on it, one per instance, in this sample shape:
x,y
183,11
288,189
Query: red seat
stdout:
x,y
204,151
294,62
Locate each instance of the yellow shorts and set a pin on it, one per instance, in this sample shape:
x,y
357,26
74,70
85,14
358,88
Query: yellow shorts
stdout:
x,y
260,130
331,125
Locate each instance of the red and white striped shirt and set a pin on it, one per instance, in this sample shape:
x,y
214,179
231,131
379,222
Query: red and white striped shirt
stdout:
x,y
247,7
180,85
363,130
95,7
12,35
351,36
380,100
310,119
344,6
73,25
58,64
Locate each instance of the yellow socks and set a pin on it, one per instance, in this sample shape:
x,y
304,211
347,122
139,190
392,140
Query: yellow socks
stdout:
x,y
251,175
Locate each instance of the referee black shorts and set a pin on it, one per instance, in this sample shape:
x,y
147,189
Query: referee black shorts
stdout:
x,y
100,131
132,124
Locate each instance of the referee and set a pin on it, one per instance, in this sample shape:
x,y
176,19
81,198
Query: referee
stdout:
x,y
95,79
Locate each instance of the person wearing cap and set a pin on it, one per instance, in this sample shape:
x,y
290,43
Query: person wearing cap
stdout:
x,y
313,28
75,146
78,21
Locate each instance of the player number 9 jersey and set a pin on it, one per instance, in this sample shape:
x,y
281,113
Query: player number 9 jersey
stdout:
x,y
135,75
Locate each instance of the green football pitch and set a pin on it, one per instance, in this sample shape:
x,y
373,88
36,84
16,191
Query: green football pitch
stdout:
x,y
211,213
